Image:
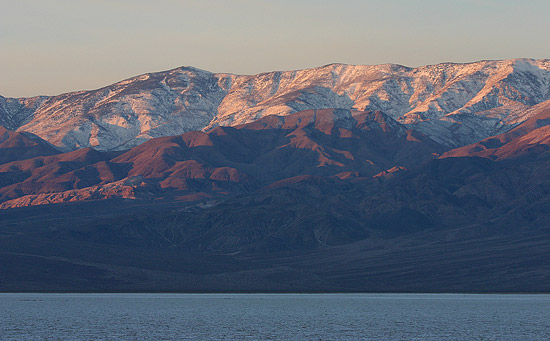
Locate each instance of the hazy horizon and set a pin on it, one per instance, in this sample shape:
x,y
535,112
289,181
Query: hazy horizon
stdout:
x,y
62,46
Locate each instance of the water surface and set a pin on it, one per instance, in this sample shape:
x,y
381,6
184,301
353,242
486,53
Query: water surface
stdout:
x,y
274,316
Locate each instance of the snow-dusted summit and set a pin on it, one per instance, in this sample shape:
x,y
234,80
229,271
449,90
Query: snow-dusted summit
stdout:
x,y
455,104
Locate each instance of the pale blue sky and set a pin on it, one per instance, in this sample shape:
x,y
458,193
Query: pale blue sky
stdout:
x,y
54,46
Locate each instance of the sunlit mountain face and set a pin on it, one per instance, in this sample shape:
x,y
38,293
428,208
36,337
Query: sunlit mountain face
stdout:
x,y
197,165
454,104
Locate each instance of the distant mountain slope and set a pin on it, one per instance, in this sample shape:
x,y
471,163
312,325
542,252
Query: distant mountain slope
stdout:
x,y
226,160
66,248
454,104
528,139
20,146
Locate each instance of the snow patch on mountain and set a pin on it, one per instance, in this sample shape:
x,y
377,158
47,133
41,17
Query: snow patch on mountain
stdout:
x,y
455,104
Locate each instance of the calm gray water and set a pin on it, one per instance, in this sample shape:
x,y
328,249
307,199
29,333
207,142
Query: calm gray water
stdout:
x,y
274,316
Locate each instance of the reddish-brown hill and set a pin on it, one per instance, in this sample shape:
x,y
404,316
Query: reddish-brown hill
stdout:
x,y
528,139
224,160
21,146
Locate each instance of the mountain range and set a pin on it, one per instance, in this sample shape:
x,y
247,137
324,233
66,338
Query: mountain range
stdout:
x,y
339,178
454,104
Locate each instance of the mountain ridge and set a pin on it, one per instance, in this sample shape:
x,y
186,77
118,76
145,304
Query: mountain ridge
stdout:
x,y
453,103
223,161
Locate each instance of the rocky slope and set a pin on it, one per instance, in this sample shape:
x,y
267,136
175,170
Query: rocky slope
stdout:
x,y
454,104
225,161
529,139
21,146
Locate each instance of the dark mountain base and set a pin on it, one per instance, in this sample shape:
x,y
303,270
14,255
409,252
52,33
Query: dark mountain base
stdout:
x,y
35,257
